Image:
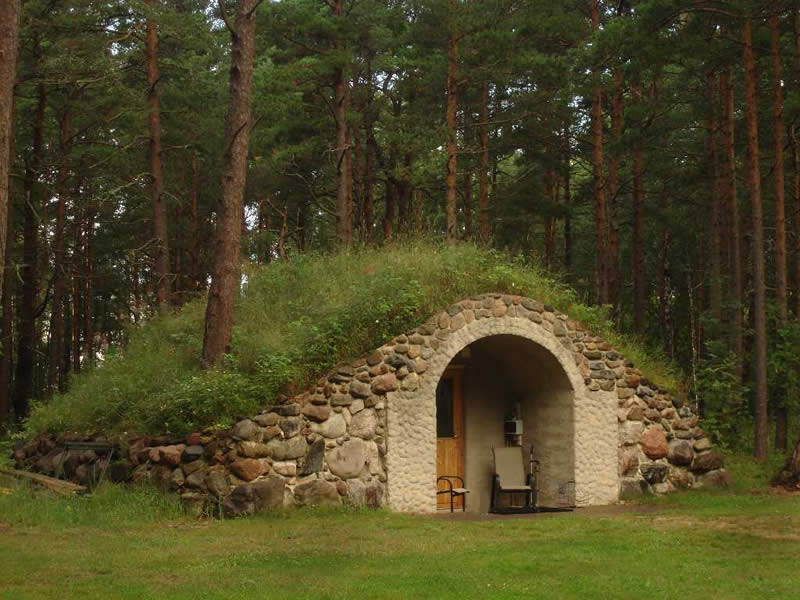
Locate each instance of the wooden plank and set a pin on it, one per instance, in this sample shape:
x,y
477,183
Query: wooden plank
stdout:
x,y
55,485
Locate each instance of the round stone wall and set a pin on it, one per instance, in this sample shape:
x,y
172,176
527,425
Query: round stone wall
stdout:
x,y
366,433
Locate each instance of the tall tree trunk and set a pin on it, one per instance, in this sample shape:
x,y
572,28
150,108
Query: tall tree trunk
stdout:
x,y
780,210
612,267
344,184
732,205
637,234
55,371
483,169
388,211
664,283
6,324
9,34
796,151
24,372
77,291
468,204
226,271
358,181
452,104
161,262
88,285
714,202
598,187
194,229
759,284
781,412
567,177
368,212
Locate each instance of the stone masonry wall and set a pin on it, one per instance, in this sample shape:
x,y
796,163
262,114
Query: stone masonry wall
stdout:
x,y
365,433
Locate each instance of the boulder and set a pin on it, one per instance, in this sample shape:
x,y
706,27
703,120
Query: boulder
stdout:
x,y
288,449
654,473
248,468
680,452
708,461
171,455
253,449
314,456
384,383
631,488
290,426
316,412
628,461
247,430
348,460
702,445
252,498
266,419
217,482
192,453
197,480
654,443
714,479
333,428
316,492
286,468
359,389
363,424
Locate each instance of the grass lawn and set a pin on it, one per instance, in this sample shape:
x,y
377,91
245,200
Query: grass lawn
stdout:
x,y
119,544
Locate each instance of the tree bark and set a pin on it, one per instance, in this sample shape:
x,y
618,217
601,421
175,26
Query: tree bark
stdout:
x,y
6,324
452,104
9,34
598,185
226,271
26,343
55,373
567,185
714,202
483,169
88,289
344,183
637,234
796,151
759,284
732,205
468,204
780,195
77,292
368,210
161,258
612,267
780,213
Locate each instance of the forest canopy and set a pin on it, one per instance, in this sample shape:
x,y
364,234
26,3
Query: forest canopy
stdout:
x,y
645,153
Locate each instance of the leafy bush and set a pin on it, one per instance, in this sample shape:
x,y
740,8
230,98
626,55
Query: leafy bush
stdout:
x,y
295,320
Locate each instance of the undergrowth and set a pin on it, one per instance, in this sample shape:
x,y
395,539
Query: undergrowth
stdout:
x,y
295,320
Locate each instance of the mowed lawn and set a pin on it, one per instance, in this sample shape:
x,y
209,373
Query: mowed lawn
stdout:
x,y
137,544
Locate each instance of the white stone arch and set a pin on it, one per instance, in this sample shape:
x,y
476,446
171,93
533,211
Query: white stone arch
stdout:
x,y
411,421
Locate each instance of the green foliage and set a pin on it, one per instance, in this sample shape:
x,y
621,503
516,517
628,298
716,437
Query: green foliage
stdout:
x,y
295,320
724,397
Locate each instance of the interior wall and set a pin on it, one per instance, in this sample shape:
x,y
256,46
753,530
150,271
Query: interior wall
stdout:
x,y
499,371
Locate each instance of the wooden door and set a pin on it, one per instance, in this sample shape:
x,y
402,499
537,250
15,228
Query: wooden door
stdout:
x,y
449,433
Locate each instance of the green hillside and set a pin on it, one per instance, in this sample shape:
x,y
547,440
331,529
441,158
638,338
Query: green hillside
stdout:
x,y
294,321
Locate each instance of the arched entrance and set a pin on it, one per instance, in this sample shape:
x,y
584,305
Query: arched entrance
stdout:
x,y
574,428
491,381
